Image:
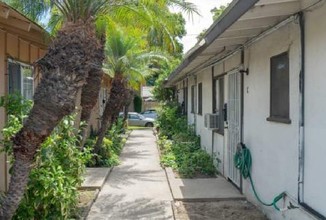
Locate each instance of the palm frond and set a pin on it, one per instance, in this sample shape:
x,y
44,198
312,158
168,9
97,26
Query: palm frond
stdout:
x,y
35,10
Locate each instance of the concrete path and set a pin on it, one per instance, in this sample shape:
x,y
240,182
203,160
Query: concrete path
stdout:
x,y
94,178
138,188
205,189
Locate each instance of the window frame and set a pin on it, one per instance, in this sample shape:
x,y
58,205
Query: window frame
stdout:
x,y
221,86
192,99
21,65
273,116
185,99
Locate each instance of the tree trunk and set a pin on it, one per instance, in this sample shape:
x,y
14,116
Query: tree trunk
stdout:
x,y
112,108
64,69
126,105
90,92
92,87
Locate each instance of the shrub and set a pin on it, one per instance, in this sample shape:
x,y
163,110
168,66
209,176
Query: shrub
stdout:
x,y
52,188
180,146
111,147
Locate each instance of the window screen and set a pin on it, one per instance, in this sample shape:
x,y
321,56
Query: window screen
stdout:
x,y
280,98
200,98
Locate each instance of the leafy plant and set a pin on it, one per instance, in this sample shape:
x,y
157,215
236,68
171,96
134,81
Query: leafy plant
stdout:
x,y
110,149
180,146
52,188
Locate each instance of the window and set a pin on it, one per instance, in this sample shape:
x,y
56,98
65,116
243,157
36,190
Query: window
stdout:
x,y
185,95
279,90
192,99
218,102
133,117
21,79
200,99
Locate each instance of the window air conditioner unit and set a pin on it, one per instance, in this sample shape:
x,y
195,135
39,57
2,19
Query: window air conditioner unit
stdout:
x,y
211,121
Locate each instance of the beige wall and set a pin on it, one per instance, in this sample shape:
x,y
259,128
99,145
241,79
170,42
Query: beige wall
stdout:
x,y
23,47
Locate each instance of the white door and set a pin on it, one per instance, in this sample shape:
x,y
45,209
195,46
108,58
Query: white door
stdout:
x,y
234,123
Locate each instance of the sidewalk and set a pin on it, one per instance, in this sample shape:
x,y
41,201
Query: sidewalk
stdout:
x,y
137,188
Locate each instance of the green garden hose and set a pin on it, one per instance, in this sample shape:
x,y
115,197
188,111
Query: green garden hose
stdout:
x,y
243,161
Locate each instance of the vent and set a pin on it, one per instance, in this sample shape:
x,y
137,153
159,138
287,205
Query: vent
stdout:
x,y
211,121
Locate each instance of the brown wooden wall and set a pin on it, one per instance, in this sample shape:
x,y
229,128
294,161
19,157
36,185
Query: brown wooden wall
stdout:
x,y
19,46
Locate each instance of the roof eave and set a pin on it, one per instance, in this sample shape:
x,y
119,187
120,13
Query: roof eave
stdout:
x,y
235,10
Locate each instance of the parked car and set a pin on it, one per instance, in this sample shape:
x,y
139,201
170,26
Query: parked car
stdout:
x,y
150,113
136,119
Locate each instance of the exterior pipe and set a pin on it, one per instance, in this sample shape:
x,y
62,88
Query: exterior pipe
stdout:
x,y
301,117
301,122
196,101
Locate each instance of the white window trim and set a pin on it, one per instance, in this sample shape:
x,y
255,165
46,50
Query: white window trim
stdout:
x,y
22,78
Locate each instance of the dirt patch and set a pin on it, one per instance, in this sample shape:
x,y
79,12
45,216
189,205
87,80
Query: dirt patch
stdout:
x,y
197,175
221,210
85,201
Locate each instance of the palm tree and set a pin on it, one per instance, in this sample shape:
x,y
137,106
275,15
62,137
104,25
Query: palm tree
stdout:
x,y
126,65
73,60
65,69
152,17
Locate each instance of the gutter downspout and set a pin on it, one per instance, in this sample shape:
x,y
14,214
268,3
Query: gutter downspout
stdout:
x,y
195,107
301,116
213,110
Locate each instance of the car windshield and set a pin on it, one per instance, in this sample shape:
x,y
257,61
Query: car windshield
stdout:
x,y
141,116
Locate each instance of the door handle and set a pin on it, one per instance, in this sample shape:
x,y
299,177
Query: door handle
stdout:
x,y
225,112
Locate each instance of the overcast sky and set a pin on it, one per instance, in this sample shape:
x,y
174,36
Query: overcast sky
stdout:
x,y
199,23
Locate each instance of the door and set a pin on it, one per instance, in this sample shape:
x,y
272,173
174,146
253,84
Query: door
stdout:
x,y
234,123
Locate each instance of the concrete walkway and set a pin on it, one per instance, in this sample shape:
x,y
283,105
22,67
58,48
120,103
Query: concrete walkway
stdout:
x,y
138,188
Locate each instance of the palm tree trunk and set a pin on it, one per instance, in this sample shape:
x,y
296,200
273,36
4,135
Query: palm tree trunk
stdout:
x,y
126,105
90,92
64,69
91,89
112,108
89,98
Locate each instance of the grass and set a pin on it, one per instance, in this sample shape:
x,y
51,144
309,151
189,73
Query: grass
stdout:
x,y
138,128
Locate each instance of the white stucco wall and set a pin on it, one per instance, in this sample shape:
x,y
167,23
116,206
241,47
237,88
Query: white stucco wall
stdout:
x,y
205,77
180,92
190,115
274,146
315,109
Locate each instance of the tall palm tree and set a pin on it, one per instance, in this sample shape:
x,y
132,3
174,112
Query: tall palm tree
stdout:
x,y
126,65
74,55
65,69
152,17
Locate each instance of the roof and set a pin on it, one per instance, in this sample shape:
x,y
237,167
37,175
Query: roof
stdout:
x,y
242,21
11,17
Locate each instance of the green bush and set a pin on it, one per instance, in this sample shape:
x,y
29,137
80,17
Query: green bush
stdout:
x,y
52,188
111,147
180,146
138,103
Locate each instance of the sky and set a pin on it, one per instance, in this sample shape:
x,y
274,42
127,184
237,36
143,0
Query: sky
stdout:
x,y
198,23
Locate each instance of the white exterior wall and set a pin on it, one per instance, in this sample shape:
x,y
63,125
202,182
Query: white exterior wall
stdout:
x,y
315,109
274,146
191,116
205,77
180,92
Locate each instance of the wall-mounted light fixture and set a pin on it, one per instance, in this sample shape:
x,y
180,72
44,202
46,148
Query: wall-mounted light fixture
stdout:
x,y
245,71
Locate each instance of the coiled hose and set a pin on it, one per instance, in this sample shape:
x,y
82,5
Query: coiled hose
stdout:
x,y
243,161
